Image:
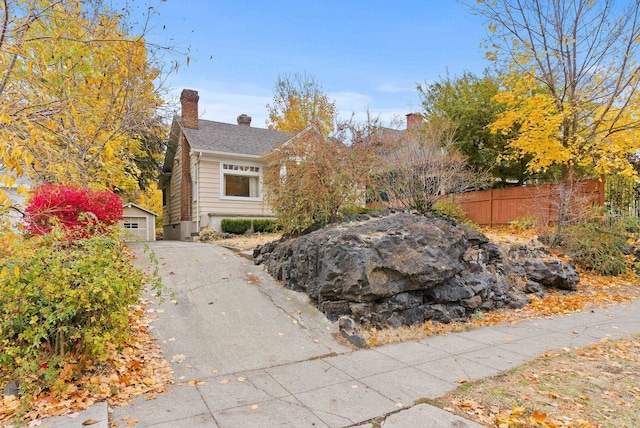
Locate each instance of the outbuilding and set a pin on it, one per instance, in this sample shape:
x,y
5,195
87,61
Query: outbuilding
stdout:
x,y
138,223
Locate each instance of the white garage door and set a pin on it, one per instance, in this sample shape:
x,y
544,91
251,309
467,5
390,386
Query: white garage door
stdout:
x,y
136,226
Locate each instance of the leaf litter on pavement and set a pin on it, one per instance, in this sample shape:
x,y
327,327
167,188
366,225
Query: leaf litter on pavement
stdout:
x,y
137,369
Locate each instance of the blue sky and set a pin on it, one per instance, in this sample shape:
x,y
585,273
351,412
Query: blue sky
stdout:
x,y
363,53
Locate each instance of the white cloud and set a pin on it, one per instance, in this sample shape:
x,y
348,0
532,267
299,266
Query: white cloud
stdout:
x,y
347,102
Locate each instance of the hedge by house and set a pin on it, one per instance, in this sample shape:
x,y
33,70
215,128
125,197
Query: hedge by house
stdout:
x,y
240,226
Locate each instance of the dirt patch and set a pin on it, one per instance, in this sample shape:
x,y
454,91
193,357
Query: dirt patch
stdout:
x,y
247,242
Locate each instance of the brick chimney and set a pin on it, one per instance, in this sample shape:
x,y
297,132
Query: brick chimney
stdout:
x,y
189,101
244,120
414,121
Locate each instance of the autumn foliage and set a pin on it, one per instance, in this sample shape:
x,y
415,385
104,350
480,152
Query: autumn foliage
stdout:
x,y
312,179
570,82
73,208
68,295
298,101
78,96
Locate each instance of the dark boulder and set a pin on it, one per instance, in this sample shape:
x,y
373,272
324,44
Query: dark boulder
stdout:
x,y
535,263
403,269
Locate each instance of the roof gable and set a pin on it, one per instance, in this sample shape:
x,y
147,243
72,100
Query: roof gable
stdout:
x,y
132,205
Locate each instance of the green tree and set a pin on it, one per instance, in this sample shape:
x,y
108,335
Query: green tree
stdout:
x,y
466,102
298,102
571,81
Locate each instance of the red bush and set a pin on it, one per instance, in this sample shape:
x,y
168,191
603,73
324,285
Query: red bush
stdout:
x,y
75,208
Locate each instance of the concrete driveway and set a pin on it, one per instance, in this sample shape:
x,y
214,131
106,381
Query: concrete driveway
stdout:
x,y
230,315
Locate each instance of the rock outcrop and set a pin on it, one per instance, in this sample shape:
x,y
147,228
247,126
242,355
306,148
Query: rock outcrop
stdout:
x,y
406,269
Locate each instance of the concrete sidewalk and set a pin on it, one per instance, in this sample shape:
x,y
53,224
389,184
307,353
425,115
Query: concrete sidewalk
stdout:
x,y
263,356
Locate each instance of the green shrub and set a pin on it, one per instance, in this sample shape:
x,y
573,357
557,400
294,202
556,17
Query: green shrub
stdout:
x,y
524,223
62,302
265,226
598,242
237,226
449,209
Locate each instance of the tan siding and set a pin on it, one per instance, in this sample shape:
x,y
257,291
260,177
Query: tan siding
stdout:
x,y
210,202
174,192
209,186
146,222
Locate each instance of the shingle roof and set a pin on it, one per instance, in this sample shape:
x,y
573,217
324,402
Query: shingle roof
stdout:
x,y
233,139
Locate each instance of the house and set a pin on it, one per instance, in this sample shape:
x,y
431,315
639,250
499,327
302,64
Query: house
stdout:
x,y
17,197
212,170
138,222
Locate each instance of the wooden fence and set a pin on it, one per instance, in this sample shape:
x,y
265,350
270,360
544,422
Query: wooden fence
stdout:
x,y
501,206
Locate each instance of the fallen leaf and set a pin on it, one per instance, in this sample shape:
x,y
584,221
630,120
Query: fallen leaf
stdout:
x,y
539,417
224,381
241,379
132,422
89,422
254,407
178,358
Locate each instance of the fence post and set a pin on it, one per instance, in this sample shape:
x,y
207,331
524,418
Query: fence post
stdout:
x,y
491,207
549,196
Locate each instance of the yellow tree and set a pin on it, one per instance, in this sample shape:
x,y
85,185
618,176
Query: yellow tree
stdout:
x,y
78,94
298,102
571,80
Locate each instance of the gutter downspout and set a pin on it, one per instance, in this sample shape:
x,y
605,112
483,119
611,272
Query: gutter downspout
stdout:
x,y
198,191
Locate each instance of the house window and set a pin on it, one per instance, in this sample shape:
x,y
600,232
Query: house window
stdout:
x,y
131,225
241,181
165,194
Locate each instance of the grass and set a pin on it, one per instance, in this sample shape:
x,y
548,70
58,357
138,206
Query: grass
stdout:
x,y
593,386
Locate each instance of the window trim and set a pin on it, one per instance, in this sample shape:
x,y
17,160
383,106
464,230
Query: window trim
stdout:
x,y
244,169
